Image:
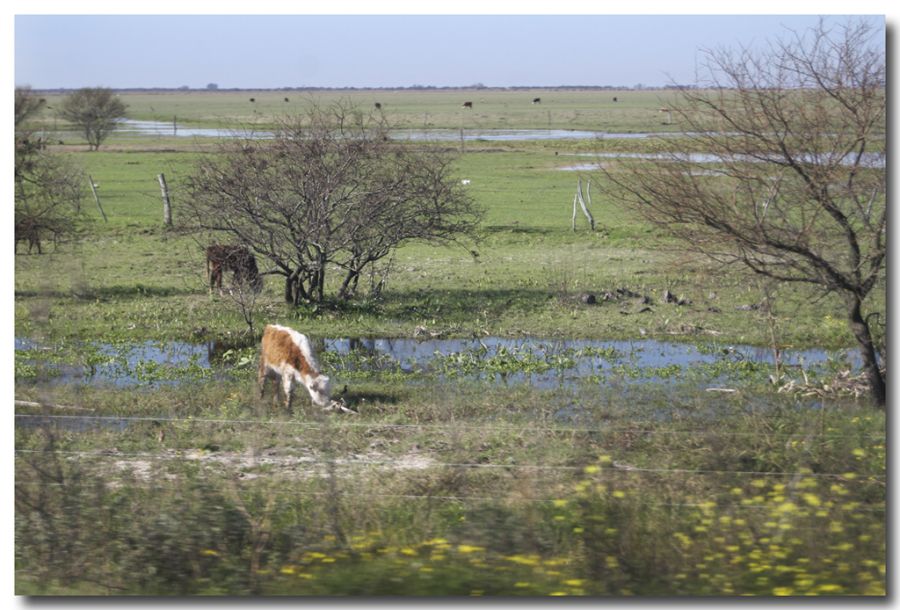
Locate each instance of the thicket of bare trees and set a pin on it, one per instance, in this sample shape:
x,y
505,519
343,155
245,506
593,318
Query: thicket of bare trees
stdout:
x,y
796,187
329,193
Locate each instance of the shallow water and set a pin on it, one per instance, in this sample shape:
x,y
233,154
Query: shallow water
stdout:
x,y
542,363
867,160
159,129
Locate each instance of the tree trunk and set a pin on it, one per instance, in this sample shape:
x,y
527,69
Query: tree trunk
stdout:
x,y
289,289
293,289
348,286
319,288
861,331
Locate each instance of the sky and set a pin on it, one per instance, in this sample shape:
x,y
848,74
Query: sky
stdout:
x,y
399,50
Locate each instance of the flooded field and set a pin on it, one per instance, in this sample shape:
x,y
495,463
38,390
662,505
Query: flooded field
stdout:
x,y
160,129
867,159
541,363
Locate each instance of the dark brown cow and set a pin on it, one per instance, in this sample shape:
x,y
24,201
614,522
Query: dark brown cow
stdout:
x,y
536,100
28,230
237,259
377,105
467,104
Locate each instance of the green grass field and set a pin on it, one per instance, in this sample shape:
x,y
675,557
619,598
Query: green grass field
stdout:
x,y
628,482
411,109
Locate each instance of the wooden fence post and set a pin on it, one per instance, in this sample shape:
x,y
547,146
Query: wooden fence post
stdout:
x,y
167,204
579,199
97,197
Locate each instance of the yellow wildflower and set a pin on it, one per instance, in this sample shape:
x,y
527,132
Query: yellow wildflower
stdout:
x,y
829,588
812,499
526,560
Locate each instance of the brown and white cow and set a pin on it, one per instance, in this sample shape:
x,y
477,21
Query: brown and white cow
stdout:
x,y
287,355
467,104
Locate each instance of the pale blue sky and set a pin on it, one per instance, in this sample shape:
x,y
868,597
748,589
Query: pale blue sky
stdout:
x,y
259,51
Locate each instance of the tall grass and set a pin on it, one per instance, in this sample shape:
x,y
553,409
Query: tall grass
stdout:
x,y
475,491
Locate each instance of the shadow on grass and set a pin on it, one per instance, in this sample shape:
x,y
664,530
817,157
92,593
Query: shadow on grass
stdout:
x,y
109,292
462,304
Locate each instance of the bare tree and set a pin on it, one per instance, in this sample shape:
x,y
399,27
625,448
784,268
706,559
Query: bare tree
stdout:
x,y
48,189
792,180
26,105
330,192
95,110
245,296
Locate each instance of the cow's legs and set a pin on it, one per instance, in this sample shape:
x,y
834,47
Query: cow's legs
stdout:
x,y
286,386
261,376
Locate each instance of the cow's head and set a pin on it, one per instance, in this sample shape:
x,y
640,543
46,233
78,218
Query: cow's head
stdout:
x,y
320,390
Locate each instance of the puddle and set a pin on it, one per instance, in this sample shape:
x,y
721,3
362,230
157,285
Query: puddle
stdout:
x,y
509,135
161,129
541,363
120,364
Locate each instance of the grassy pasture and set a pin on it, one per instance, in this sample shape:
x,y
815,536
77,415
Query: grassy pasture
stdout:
x,y
411,109
527,276
439,486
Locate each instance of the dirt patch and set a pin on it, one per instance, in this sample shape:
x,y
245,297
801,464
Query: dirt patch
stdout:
x,y
251,464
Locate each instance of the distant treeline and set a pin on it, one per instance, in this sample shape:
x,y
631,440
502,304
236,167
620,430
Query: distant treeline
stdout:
x,y
410,88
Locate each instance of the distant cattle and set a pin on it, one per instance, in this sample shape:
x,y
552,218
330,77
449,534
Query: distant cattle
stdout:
x,y
536,100
252,99
377,105
615,99
237,259
287,356
467,104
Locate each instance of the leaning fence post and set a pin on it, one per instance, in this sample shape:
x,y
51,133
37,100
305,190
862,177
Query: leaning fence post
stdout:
x,y
579,199
97,197
167,204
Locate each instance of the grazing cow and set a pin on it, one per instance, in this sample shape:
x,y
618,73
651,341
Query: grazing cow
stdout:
x,y
28,230
615,99
237,259
536,100
287,355
377,105
467,104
